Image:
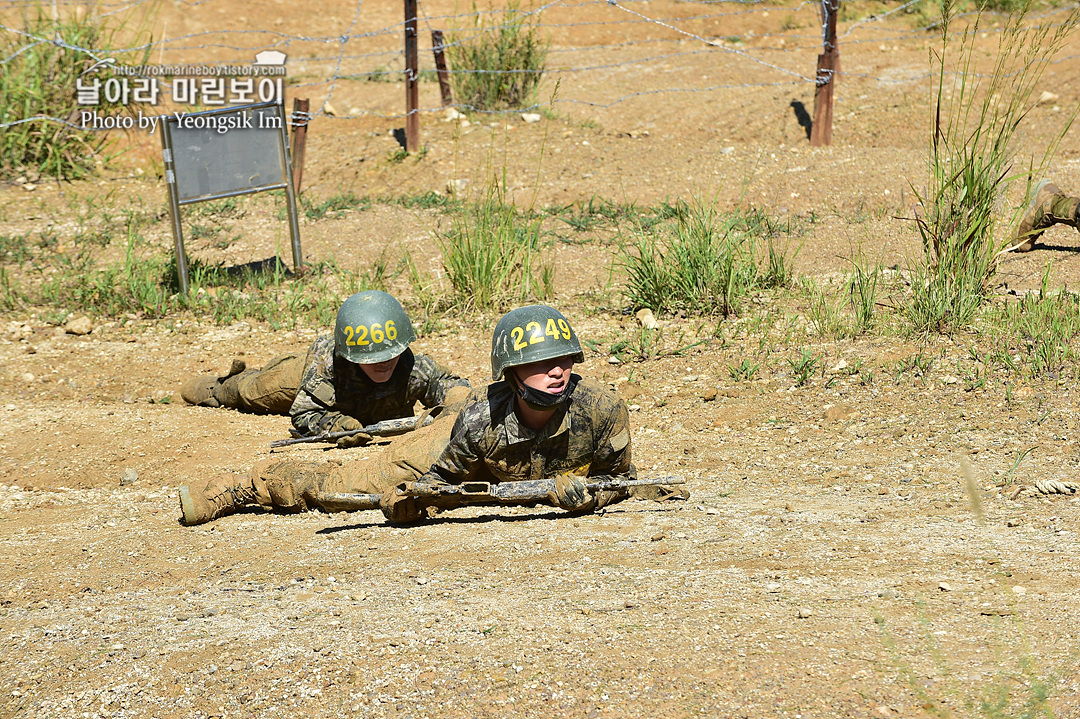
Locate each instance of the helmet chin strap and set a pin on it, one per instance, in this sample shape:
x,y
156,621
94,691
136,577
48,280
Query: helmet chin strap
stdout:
x,y
538,399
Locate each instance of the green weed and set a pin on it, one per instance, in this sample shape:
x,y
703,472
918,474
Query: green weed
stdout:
x,y
15,248
1042,328
500,67
40,71
863,292
227,209
648,344
804,366
1016,689
744,371
823,310
972,153
706,263
11,296
494,257
334,206
429,200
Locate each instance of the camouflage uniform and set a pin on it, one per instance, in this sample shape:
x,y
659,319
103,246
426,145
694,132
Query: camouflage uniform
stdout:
x,y
588,436
332,386
270,390
295,485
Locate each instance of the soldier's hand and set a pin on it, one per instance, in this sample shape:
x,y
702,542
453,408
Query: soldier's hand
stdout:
x,y
399,509
357,440
345,423
570,493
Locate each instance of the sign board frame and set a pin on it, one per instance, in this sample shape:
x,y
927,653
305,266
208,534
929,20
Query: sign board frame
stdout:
x,y
194,146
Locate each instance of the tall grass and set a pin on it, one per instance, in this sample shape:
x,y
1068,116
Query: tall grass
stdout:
x,y
493,255
971,158
38,72
863,292
499,67
706,262
1018,685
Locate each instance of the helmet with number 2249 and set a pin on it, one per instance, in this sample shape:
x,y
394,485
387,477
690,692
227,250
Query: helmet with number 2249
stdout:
x,y
532,334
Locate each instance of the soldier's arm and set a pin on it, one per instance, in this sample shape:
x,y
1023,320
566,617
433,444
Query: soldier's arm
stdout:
x,y
432,384
462,459
312,411
612,453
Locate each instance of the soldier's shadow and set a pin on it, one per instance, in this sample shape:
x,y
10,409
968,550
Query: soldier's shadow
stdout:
x,y
1058,248
554,514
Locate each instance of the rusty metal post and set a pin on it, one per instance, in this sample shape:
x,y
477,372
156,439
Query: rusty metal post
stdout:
x,y
412,80
440,67
828,71
300,119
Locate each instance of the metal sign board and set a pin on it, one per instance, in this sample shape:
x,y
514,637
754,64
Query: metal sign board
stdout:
x,y
224,153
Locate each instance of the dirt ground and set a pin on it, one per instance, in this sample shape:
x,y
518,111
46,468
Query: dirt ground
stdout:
x,y
834,559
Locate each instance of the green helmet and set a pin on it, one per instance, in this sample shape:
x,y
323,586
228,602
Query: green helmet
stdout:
x,y
531,334
372,327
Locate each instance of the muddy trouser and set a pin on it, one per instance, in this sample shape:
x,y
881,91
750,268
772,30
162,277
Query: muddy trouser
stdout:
x,y
270,390
295,485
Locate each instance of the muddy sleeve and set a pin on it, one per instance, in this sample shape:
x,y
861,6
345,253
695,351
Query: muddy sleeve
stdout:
x,y
462,459
612,455
430,381
313,410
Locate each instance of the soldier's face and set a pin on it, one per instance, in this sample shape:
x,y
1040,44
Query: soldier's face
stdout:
x,y
380,371
547,375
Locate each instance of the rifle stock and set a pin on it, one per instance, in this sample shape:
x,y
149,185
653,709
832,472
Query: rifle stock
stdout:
x,y
451,496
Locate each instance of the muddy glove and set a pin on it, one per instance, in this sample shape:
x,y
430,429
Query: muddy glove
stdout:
x,y
399,509
570,493
345,423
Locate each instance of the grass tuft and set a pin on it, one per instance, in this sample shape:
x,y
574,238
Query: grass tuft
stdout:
x,y
494,257
500,67
706,263
38,78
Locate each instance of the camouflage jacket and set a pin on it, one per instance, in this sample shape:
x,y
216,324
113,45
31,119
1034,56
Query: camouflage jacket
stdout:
x,y
332,386
589,436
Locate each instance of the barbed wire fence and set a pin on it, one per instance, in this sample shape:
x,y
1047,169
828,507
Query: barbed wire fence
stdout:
x,y
628,49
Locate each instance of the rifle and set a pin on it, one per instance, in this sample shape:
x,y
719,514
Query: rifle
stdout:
x,y
467,494
386,428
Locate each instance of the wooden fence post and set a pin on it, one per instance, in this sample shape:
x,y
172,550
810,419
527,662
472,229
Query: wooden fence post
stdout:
x,y
440,67
412,78
828,71
300,119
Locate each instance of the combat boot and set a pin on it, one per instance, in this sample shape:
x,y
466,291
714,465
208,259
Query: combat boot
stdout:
x,y
204,501
1049,207
205,390
200,391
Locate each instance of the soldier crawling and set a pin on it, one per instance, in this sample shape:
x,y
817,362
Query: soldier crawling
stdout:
x,y
538,420
362,374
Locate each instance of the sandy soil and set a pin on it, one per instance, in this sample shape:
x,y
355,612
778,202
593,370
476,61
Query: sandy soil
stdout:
x,y
832,561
